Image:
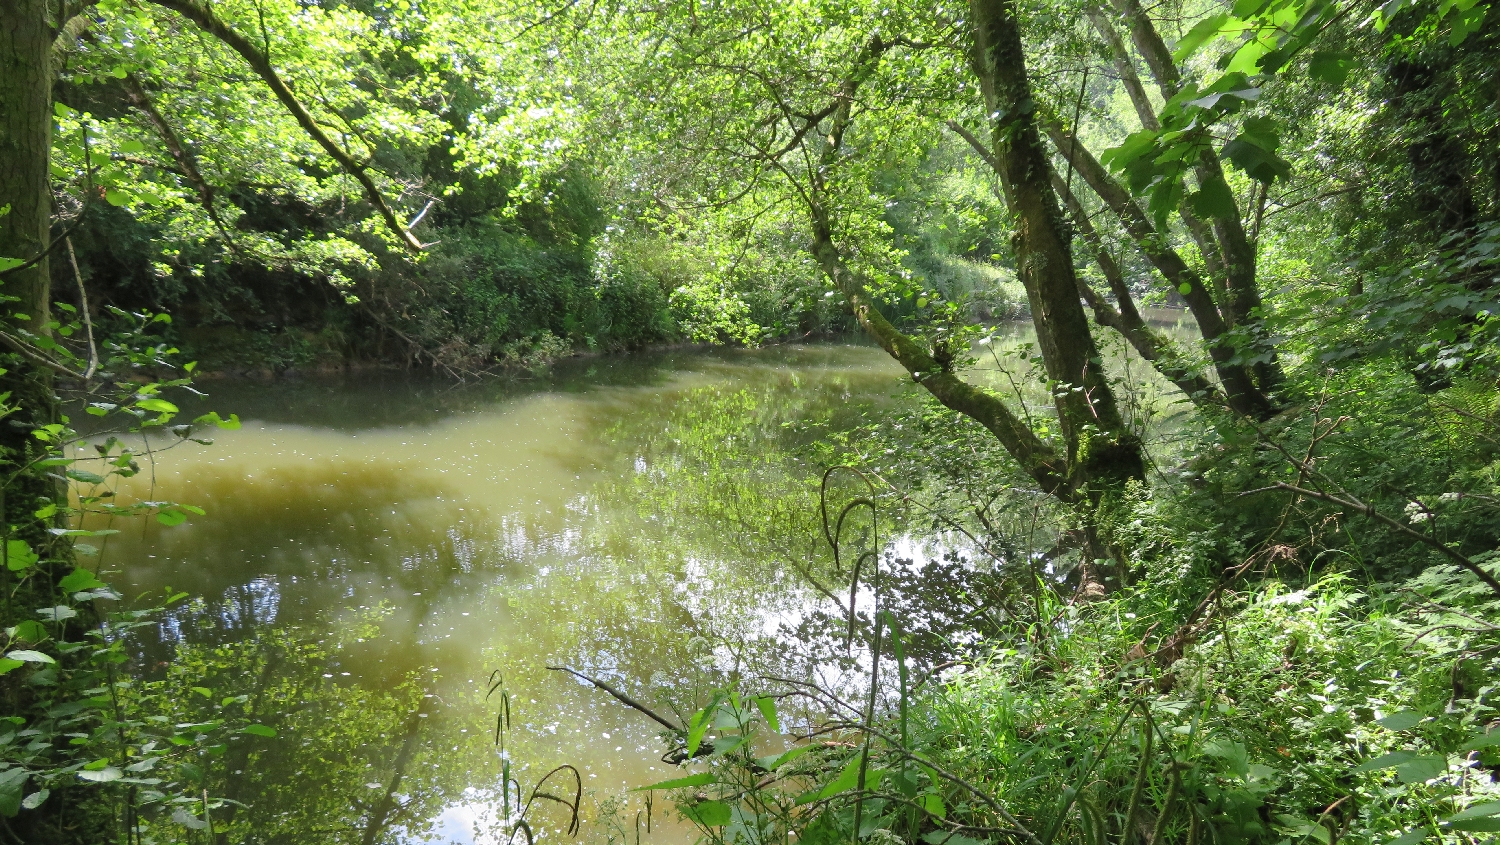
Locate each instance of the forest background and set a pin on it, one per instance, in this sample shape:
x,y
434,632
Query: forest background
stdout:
x,y
472,185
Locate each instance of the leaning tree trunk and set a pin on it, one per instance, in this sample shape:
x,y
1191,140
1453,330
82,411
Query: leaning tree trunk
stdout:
x,y
1103,453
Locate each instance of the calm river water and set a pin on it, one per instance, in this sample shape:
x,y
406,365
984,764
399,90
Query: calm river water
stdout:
x,y
379,552
375,548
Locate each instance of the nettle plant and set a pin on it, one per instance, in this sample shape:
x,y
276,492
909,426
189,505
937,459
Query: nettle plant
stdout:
x,y
66,648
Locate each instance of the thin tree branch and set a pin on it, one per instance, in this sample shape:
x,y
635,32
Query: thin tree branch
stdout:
x,y
203,15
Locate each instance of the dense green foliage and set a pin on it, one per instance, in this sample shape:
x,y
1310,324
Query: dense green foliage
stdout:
x,y
1102,583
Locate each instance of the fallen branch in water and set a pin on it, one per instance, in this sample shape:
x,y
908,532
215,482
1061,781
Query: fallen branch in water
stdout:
x,y
620,697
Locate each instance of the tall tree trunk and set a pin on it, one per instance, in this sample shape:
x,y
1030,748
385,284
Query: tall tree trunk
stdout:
x,y
1102,452
25,229
25,142
25,236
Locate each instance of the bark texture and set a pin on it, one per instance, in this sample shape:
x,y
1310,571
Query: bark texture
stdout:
x,y
1101,449
25,144
25,230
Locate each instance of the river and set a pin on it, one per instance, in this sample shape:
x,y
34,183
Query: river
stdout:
x,y
386,564
379,545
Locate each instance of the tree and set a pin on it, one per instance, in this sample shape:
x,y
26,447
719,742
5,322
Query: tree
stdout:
x,y
788,113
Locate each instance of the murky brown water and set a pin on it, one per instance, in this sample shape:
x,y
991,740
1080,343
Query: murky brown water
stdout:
x,y
427,536
377,548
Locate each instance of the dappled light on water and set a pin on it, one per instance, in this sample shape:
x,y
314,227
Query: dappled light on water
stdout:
x,y
374,549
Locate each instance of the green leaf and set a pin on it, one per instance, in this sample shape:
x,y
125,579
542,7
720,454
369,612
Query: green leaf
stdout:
x,y
104,775
171,517
186,819
1331,66
943,837
1466,22
1411,837
260,730
6,664
1477,825
1185,288
18,555
1199,35
116,197
1422,769
1214,199
57,613
1260,163
776,761
12,783
700,779
847,780
767,707
698,728
85,476
1482,741
29,630
29,656
1133,147
204,691
708,813
933,804
1478,811
158,405
213,418
1402,721
1385,761
79,580
35,799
